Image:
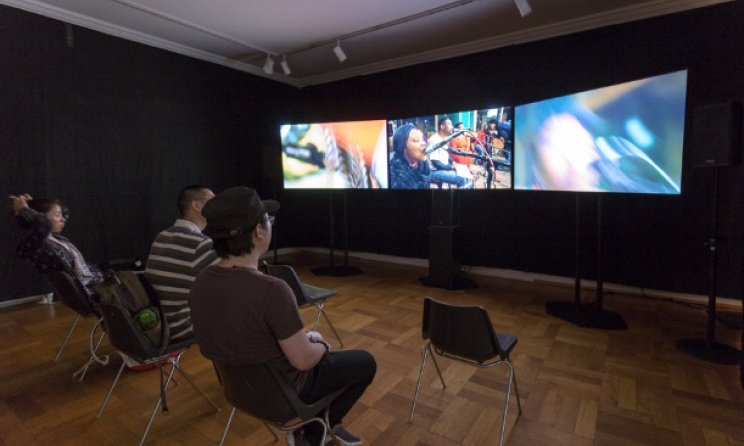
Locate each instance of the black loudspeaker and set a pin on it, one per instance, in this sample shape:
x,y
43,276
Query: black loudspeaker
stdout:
x,y
716,134
443,207
444,258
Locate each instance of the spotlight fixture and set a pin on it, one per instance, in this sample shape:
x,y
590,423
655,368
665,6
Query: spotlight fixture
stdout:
x,y
524,7
285,66
339,52
268,66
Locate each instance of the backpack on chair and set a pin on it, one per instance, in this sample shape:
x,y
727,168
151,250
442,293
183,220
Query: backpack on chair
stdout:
x,y
126,290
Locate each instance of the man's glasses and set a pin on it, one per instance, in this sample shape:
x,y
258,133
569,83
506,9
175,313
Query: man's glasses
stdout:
x,y
271,219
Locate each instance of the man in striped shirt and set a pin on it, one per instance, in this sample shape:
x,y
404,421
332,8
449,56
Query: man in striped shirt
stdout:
x,y
176,257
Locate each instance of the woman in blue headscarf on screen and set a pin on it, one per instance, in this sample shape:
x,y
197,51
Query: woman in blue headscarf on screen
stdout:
x,y
409,168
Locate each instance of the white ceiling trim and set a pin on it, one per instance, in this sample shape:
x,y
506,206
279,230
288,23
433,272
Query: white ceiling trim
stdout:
x,y
619,16
587,23
128,34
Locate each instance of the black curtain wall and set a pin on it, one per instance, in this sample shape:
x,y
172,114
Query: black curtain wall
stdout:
x,y
115,129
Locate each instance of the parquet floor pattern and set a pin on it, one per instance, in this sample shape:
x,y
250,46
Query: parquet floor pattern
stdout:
x,y
578,386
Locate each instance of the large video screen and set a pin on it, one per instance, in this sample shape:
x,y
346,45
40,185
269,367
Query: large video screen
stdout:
x,y
462,150
622,138
334,155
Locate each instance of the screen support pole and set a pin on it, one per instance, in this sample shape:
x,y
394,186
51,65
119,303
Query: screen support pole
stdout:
x,y
590,315
708,349
332,269
577,253
598,304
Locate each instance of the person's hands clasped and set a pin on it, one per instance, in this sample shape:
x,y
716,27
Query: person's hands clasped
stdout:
x,y
315,337
19,202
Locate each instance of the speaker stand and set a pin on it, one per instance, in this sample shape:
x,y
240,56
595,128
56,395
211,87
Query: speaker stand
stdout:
x,y
444,254
332,269
587,315
708,349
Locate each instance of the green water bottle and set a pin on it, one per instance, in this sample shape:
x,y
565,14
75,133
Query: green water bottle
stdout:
x,y
147,319
150,324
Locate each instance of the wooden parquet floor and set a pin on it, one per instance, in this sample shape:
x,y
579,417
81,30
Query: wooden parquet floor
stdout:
x,y
578,386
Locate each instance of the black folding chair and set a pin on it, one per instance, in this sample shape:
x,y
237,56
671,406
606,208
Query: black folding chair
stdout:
x,y
305,294
126,335
464,333
260,391
73,296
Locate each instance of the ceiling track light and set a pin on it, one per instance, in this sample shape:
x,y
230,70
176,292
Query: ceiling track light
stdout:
x,y
285,66
524,7
339,52
268,66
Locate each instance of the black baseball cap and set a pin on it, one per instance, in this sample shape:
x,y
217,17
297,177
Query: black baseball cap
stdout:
x,y
235,211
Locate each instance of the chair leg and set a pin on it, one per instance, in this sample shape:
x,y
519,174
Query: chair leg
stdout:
x,y
425,352
93,351
436,366
227,426
511,381
321,310
157,403
67,338
116,379
516,389
193,384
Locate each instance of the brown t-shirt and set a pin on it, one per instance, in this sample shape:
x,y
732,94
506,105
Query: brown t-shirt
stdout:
x,y
240,314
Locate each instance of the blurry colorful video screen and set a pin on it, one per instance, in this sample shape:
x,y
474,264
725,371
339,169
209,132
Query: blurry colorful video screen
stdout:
x,y
622,138
334,155
462,150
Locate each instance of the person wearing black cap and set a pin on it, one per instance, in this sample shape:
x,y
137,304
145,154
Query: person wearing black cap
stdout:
x,y
242,316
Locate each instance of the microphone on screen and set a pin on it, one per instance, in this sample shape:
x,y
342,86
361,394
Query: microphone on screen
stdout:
x,y
444,142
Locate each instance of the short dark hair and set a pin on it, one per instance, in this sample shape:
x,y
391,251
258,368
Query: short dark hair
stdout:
x,y
43,205
238,245
187,195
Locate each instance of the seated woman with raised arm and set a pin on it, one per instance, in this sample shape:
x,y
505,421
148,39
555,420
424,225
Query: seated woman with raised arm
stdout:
x,y
43,244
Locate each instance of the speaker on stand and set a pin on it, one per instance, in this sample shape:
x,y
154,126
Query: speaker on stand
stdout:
x,y
716,135
444,245
716,142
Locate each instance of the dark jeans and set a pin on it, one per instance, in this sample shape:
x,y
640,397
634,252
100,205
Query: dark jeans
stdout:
x,y
353,369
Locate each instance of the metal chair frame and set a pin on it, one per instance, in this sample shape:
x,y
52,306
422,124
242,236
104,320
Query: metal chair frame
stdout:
x,y
73,296
260,391
462,343
305,294
130,340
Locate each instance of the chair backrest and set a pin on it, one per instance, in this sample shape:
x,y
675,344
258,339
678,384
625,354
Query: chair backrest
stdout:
x,y
289,275
260,391
125,333
71,293
460,330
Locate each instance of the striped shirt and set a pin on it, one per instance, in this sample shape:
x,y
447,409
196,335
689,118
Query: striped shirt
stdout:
x,y
176,257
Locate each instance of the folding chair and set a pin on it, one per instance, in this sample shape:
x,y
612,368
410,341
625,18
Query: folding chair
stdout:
x,y
72,295
126,335
304,293
261,392
465,333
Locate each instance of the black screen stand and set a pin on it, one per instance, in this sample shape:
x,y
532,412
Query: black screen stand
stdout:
x,y
708,349
332,269
587,315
